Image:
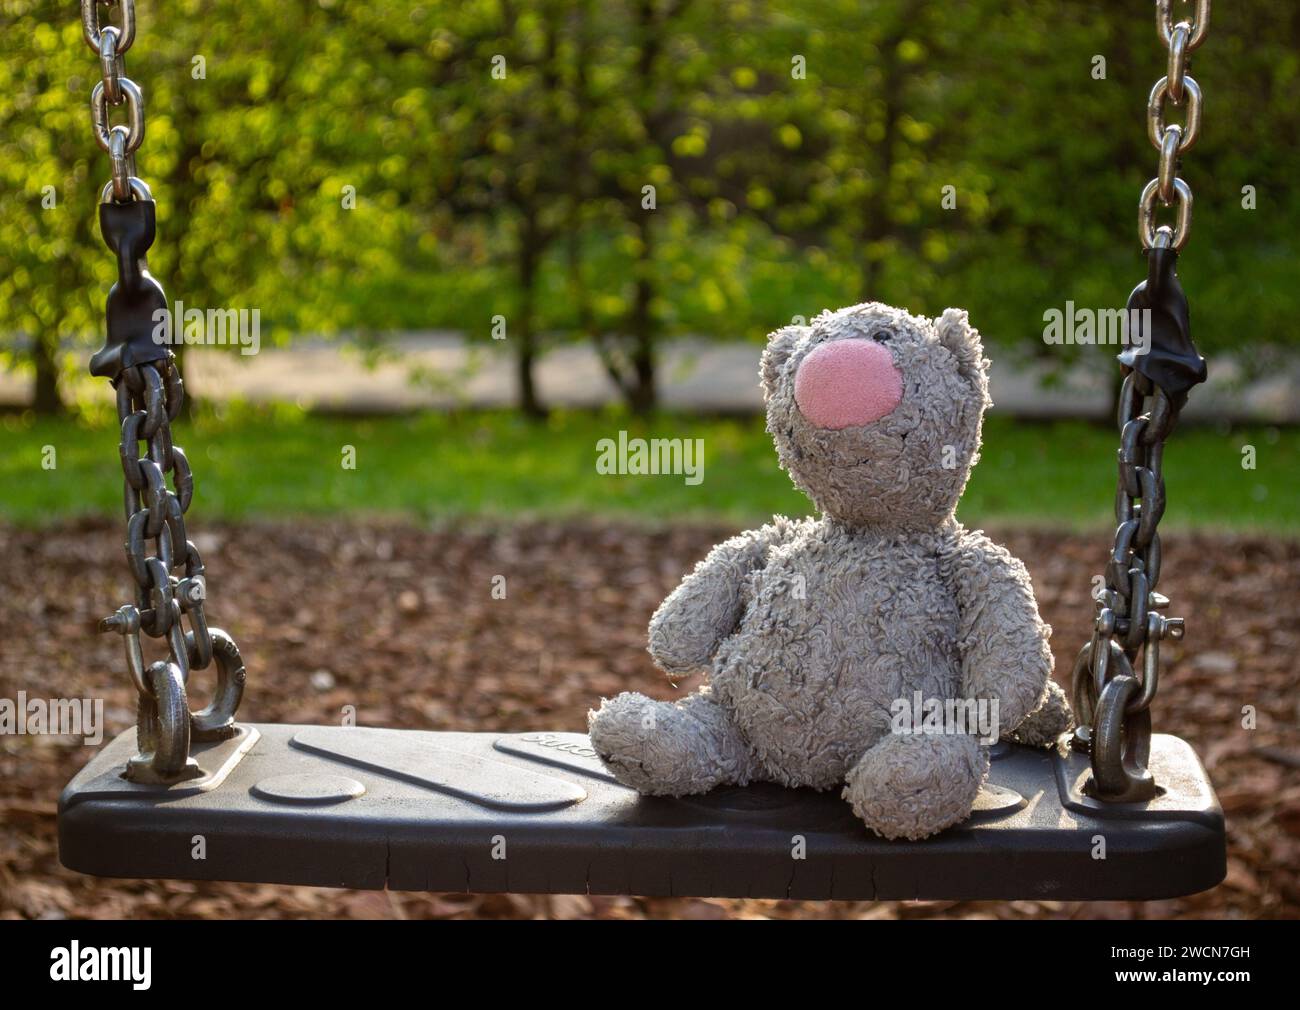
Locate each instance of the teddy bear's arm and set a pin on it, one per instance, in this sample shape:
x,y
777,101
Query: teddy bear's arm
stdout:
x,y
1004,647
689,625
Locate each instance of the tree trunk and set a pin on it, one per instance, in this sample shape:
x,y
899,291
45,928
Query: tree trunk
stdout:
x,y
640,391
875,223
643,395
526,344
46,399
187,281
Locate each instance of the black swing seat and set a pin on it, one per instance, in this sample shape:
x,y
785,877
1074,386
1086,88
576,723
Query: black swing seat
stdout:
x,y
537,812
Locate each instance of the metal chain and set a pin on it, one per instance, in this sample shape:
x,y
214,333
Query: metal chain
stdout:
x,y
1170,139
1112,704
149,397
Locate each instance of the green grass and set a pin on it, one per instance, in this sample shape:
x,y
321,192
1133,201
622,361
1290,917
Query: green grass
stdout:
x,y
284,463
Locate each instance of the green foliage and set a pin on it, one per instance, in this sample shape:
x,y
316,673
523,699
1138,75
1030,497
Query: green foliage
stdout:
x,y
521,192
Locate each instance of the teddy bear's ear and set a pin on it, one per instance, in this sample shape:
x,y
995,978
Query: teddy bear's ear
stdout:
x,y
963,340
780,345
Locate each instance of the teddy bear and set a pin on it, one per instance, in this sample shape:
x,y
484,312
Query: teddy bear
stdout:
x,y
819,635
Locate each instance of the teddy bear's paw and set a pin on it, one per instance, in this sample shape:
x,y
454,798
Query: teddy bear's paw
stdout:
x,y
677,648
1042,726
913,786
664,748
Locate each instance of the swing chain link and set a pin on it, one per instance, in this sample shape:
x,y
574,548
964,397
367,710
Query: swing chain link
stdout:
x,y
110,43
1112,704
1112,701
169,574
1172,140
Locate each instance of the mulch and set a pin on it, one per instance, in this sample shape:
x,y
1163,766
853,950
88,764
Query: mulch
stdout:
x,y
400,622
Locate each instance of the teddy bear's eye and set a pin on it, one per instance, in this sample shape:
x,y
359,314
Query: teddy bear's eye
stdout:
x,y
882,336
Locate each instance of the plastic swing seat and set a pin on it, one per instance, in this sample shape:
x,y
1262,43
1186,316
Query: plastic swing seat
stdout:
x,y
537,812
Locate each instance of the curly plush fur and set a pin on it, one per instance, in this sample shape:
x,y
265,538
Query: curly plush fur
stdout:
x,y
813,631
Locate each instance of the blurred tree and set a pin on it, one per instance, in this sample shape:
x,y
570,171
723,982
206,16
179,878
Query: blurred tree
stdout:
x,y
395,164
656,246
503,89
1054,108
245,131
45,137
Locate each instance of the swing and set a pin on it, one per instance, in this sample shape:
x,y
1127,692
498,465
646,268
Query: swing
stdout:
x,y
1114,812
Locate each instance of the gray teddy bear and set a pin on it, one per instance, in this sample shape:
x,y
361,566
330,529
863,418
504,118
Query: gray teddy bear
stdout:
x,y
820,635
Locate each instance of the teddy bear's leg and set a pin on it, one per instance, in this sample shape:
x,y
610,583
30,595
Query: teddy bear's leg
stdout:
x,y
910,786
665,748
1049,720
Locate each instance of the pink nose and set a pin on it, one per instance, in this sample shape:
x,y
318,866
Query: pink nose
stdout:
x,y
847,383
